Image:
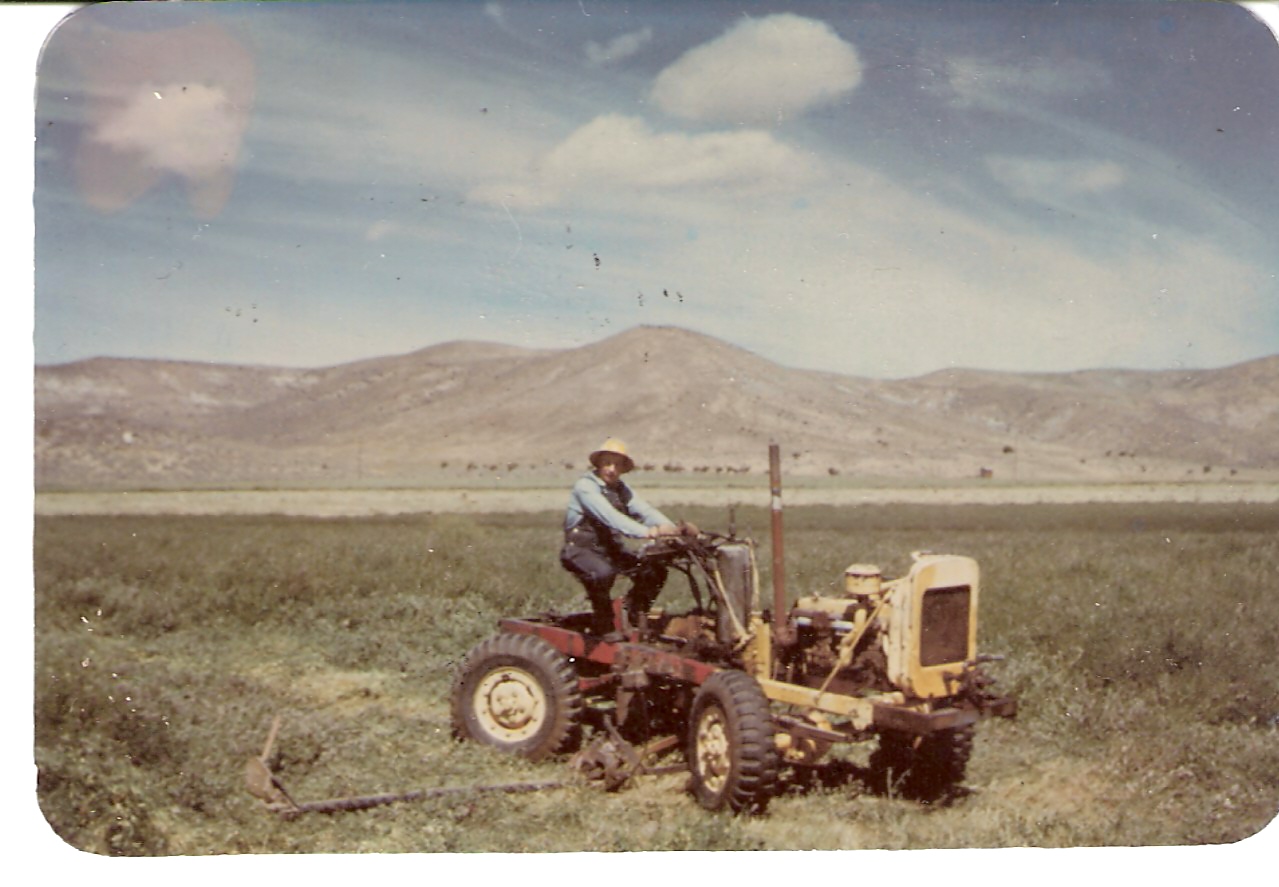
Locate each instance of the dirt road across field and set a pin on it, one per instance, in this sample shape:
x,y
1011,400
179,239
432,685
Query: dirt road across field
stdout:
x,y
339,503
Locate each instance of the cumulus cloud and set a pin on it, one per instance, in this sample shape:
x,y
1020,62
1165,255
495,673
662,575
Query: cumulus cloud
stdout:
x,y
619,48
620,148
1041,179
760,71
615,151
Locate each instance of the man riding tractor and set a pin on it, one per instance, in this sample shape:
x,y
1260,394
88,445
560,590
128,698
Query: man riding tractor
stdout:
x,y
602,512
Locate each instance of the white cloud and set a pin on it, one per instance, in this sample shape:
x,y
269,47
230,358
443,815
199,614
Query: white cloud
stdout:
x,y
1119,179
1055,180
617,152
619,148
619,48
976,82
761,71
881,280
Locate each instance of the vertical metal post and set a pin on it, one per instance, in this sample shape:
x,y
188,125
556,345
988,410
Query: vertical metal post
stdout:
x,y
779,574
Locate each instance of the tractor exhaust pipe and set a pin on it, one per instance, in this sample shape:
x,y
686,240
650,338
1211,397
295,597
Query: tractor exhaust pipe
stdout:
x,y
779,572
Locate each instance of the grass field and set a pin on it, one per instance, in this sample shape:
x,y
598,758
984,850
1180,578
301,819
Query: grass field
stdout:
x,y
1140,640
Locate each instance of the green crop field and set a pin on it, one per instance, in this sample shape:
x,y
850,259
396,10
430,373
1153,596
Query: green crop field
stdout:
x,y
1140,640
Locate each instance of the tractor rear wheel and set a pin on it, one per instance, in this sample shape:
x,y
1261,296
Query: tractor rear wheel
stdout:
x,y
732,755
927,768
518,693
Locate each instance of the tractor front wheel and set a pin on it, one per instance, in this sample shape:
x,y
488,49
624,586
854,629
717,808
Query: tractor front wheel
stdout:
x,y
518,693
732,755
927,768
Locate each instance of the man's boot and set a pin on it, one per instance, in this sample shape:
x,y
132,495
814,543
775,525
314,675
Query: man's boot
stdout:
x,y
638,603
601,611
602,623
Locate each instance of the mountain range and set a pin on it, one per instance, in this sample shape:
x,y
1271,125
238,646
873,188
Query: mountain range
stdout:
x,y
683,401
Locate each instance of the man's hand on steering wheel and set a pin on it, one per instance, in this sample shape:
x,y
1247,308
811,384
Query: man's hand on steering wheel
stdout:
x,y
663,530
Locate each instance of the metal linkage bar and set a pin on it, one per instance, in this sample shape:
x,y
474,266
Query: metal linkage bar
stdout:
x,y
266,786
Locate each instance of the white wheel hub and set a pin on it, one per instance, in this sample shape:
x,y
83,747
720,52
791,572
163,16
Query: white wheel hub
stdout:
x,y
510,704
713,758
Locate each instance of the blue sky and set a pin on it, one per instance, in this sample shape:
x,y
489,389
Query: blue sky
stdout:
x,y
881,189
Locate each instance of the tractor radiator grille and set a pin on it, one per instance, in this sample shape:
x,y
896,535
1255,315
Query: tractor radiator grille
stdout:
x,y
944,625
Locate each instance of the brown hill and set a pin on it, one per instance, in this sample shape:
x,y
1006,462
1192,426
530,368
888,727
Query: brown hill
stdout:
x,y
683,401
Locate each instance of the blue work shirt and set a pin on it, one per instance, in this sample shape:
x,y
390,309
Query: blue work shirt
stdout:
x,y
587,497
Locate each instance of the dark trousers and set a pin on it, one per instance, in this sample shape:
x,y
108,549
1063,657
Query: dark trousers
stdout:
x,y
597,571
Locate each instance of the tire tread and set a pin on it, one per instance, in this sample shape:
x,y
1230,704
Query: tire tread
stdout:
x,y
541,659
756,761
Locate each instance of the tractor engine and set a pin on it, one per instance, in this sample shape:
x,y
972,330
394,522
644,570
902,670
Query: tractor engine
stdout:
x,y
853,626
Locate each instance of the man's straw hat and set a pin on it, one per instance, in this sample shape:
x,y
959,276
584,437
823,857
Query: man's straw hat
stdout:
x,y
617,448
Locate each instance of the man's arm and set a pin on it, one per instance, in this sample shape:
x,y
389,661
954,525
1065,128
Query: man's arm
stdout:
x,y
648,515
591,498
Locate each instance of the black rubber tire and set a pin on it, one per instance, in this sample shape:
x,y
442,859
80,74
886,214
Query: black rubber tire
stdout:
x,y
732,755
930,771
518,693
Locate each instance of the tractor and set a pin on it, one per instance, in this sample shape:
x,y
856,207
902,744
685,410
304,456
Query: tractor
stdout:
x,y
746,691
